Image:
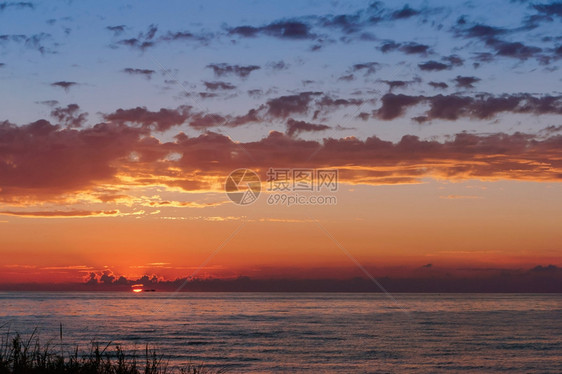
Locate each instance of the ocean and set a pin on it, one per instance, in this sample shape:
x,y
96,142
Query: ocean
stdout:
x,y
302,332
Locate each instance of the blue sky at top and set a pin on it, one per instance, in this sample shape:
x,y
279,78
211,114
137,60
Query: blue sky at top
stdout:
x,y
74,45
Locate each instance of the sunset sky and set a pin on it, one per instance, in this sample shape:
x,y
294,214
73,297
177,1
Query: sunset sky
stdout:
x,y
120,123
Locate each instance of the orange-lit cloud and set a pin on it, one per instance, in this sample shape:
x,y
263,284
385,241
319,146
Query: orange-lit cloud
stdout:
x,y
41,161
60,213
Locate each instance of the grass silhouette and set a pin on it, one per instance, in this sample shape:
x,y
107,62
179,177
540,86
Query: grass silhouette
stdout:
x,y
22,356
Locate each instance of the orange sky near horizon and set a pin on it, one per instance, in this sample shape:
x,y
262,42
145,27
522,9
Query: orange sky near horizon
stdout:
x,y
120,125
390,229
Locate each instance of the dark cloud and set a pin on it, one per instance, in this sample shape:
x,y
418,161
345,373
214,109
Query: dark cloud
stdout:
x,y
315,47
287,29
483,32
533,21
250,117
348,23
224,69
399,84
207,95
551,9
449,62
107,277
148,38
15,38
546,269
420,119
367,67
69,115
245,31
136,43
375,13
327,101
147,73
296,127
364,116
184,36
451,107
117,30
414,48
344,128
405,12
453,60
433,66
389,46
64,84
346,78
285,106
514,49
50,103
483,57
179,35
143,40
490,35
150,33
41,42
162,120
466,82
439,85
394,105
301,28
16,5
410,48
37,42
204,121
281,107
255,92
213,86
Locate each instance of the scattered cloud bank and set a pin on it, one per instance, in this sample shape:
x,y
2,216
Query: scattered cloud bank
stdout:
x,y
427,278
42,160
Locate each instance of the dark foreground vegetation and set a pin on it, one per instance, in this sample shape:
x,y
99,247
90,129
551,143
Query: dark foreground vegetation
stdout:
x,y
26,355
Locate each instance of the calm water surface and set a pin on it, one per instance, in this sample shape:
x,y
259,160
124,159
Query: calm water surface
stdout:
x,y
317,333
